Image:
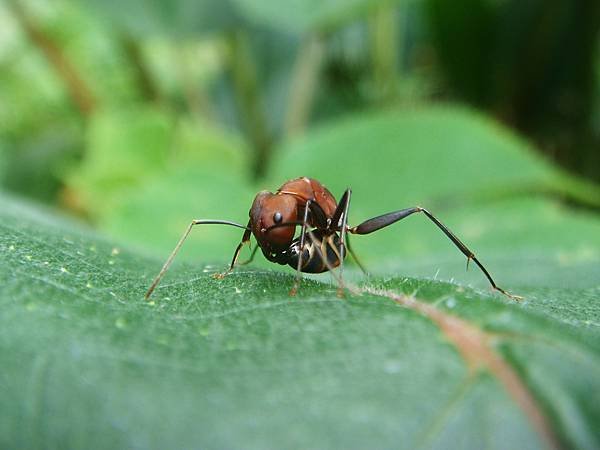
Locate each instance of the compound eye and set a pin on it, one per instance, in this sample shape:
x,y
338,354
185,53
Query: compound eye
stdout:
x,y
277,217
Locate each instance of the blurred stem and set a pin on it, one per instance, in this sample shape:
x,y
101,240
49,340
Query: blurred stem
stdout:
x,y
245,84
144,79
304,82
385,40
79,91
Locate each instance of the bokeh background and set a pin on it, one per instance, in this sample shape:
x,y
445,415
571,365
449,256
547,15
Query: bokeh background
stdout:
x,y
139,115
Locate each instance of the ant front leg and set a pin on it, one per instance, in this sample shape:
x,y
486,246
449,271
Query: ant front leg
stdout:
x,y
343,208
249,260
379,222
294,289
341,215
165,267
236,254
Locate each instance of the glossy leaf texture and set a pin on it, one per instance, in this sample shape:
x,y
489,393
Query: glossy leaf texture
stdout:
x,y
237,363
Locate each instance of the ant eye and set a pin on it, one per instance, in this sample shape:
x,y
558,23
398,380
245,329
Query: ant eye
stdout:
x,y
277,217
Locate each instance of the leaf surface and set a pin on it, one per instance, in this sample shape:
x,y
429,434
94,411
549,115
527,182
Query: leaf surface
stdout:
x,y
237,363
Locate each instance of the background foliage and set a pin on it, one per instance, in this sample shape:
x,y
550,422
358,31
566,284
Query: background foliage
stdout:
x,y
137,116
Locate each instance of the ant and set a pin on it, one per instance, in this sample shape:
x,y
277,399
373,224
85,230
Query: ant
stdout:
x,y
323,239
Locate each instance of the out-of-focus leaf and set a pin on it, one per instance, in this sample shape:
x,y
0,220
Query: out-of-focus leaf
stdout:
x,y
390,161
238,363
145,178
35,164
123,148
420,155
157,213
302,15
477,177
169,18
499,56
130,151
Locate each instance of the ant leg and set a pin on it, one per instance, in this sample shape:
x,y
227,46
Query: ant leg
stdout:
x,y
294,289
341,208
379,222
345,204
319,217
354,257
236,254
249,260
320,248
180,243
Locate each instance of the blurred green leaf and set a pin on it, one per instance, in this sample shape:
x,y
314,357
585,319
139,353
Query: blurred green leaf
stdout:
x,y
35,164
188,17
476,176
157,213
238,363
123,148
419,155
146,176
177,18
303,15
392,161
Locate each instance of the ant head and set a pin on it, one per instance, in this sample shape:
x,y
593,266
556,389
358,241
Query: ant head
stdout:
x,y
269,209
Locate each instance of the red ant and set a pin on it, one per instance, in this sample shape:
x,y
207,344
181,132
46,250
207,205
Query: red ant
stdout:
x,y
323,239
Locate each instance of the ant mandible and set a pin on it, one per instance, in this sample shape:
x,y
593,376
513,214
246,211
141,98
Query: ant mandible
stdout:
x,y
323,239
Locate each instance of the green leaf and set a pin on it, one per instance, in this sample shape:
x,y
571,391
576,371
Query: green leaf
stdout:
x,y
482,181
132,152
237,363
303,15
418,155
187,17
123,148
170,18
482,190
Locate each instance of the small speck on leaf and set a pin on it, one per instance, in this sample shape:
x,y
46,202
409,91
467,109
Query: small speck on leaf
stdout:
x,y
392,366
